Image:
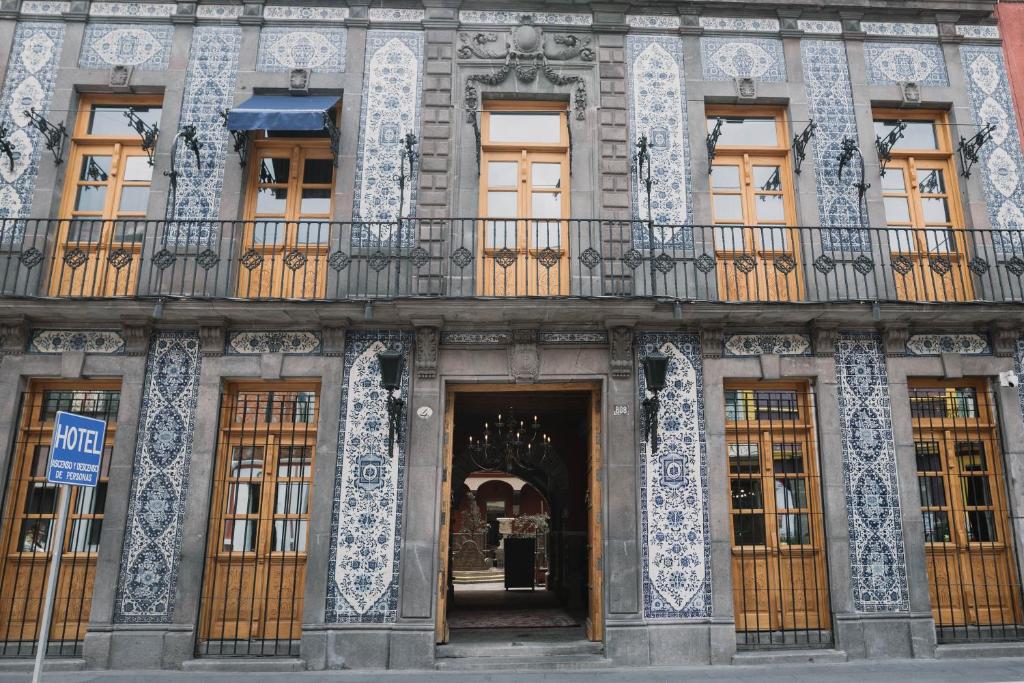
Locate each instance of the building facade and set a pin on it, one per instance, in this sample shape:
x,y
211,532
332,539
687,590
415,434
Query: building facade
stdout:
x,y
214,218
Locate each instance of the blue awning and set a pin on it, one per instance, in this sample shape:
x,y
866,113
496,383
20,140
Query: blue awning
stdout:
x,y
280,113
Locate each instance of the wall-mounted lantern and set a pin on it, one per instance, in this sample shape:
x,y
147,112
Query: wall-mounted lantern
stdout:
x,y
391,362
655,375
407,158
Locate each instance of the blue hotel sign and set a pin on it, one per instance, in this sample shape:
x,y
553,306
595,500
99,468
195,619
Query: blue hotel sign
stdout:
x,y
76,450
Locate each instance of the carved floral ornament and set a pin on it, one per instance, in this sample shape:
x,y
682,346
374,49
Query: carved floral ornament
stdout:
x,y
527,53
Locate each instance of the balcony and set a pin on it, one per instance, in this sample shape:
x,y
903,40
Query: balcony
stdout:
x,y
474,258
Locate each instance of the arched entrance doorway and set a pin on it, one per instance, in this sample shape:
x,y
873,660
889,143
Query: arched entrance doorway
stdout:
x,y
521,536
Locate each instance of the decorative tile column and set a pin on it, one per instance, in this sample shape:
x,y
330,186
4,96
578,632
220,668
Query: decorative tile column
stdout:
x,y
149,560
369,490
877,560
31,74
675,537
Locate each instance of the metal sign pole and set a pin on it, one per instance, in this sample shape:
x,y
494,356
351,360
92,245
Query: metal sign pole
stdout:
x,y
51,582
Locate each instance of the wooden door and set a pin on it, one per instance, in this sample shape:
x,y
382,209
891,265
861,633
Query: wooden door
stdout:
x,y
444,535
30,515
595,535
969,547
287,235
524,182
106,193
779,579
259,522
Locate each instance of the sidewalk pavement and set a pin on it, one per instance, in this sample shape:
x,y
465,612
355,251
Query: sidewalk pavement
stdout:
x,y
992,670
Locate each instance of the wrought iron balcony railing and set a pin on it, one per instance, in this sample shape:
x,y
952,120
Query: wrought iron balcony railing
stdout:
x,y
458,258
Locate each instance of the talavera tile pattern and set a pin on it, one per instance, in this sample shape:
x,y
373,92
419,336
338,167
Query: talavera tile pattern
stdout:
x,y
512,18
156,508
31,73
284,49
759,344
1002,164
362,585
978,32
89,341
392,93
143,46
296,342
675,536
45,7
830,100
901,62
1018,362
212,69
728,58
740,24
653,21
878,570
900,29
938,343
656,85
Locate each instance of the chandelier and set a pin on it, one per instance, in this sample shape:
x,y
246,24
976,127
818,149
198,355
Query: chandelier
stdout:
x,y
510,444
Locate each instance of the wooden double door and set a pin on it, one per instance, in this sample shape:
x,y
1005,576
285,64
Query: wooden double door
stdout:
x,y
972,569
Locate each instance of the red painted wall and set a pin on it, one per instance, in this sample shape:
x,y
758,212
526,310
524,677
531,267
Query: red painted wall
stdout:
x,y
1011,27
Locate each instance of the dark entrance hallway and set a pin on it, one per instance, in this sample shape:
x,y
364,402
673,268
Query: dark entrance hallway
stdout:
x,y
519,549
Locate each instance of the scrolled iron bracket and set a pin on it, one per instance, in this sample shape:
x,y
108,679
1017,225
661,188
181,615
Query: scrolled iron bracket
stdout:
x,y
885,145
800,145
147,132
970,147
239,138
55,137
5,146
334,134
712,141
407,157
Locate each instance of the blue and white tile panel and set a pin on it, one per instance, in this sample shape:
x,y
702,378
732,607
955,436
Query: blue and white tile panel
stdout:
x,y
740,24
284,48
569,337
144,46
653,21
457,338
820,26
362,585
507,18
830,101
675,535
760,344
921,63
1002,164
899,29
725,59
938,343
31,73
1018,362
978,32
46,8
88,341
221,12
134,10
288,341
209,88
878,570
656,87
396,15
156,507
302,14
392,94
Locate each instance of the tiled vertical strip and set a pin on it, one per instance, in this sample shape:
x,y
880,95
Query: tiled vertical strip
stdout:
x,y
1018,360
830,101
31,73
392,95
657,109
149,559
210,88
369,489
1002,164
675,539
877,566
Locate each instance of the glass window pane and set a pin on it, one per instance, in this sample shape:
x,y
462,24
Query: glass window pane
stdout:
x,y
728,207
137,169
130,230
931,181
902,240
790,494
133,198
746,494
737,405
546,175
794,529
313,232
936,526
500,234
246,462
981,526
546,234
893,181
725,177
770,208
976,491
85,535
91,501
318,172
268,232
935,209
503,204
35,535
95,169
109,120
897,210
918,134
746,132
240,534
546,205
315,202
748,529
502,173
40,461
275,171
295,461
744,458
768,178
243,498
729,237
777,405
289,536
271,201
933,491
542,128
41,498
971,456
787,458
940,240
91,198
291,498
